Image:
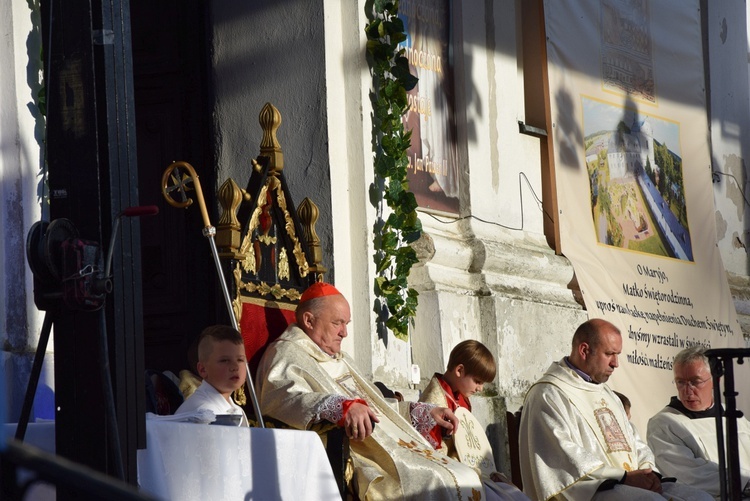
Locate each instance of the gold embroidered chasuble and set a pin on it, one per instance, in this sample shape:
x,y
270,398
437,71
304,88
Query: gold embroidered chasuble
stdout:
x,y
395,462
574,435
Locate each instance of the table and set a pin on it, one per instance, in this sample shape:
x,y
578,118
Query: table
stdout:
x,y
42,436
190,461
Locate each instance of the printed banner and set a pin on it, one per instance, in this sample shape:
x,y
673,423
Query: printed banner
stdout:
x,y
433,157
634,185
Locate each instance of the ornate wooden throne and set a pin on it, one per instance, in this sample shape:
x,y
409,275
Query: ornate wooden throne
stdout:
x,y
270,254
270,251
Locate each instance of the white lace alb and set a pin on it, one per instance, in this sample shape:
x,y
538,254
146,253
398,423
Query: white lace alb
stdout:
x,y
331,408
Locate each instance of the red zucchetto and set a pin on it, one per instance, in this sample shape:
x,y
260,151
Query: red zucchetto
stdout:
x,y
318,289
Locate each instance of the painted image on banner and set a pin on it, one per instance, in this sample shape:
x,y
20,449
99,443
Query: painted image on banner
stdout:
x,y
635,173
433,160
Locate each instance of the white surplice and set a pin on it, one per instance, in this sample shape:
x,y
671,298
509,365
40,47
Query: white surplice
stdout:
x,y
207,397
687,449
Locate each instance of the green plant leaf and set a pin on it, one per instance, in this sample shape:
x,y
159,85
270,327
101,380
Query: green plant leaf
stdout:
x,y
395,302
399,327
396,26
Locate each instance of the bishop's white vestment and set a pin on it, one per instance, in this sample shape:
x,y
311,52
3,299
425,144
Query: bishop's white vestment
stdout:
x,y
295,377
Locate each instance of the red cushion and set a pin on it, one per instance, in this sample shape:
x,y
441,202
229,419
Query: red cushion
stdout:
x,y
260,325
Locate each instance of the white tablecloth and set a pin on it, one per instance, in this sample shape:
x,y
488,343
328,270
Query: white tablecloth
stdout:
x,y
42,436
189,461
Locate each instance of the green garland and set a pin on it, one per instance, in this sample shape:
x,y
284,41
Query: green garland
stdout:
x,y
395,301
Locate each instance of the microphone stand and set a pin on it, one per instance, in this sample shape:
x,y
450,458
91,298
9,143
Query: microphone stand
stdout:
x,y
721,363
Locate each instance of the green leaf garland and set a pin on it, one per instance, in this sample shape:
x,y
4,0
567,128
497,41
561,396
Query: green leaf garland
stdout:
x,y
395,301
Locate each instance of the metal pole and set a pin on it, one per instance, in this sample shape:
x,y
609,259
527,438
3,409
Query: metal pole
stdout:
x,y
180,183
249,378
722,363
36,370
733,458
717,371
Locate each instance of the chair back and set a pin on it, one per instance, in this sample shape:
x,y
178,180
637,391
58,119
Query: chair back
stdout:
x,y
270,251
163,396
261,323
271,254
514,423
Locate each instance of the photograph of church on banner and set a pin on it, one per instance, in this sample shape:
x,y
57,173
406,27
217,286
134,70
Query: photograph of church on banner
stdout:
x,y
433,171
637,188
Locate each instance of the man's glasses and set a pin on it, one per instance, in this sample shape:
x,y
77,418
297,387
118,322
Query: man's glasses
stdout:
x,y
695,384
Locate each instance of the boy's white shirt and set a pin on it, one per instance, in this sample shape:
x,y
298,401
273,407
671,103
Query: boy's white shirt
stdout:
x,y
208,397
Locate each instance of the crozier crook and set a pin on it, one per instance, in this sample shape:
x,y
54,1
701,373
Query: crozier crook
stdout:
x,y
177,179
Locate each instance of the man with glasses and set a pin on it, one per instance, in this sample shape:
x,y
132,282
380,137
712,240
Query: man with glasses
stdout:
x,y
683,434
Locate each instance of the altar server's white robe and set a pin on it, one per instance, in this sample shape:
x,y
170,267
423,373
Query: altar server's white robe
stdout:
x,y
206,397
434,393
687,448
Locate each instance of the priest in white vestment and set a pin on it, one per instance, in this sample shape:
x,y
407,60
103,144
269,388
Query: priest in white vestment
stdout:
x,y
683,434
575,441
304,378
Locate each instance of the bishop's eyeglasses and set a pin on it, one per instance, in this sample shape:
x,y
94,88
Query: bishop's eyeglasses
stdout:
x,y
695,384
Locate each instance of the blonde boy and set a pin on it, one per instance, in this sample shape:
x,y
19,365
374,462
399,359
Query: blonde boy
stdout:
x,y
222,365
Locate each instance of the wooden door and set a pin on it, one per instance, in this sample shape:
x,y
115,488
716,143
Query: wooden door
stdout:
x,y
170,61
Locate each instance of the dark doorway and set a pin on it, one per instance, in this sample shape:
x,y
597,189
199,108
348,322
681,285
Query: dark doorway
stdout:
x,y
173,122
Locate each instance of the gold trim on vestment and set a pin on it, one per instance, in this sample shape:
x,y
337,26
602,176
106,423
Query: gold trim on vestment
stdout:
x,y
426,452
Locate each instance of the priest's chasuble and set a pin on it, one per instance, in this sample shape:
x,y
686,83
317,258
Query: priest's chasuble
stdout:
x,y
574,435
395,462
